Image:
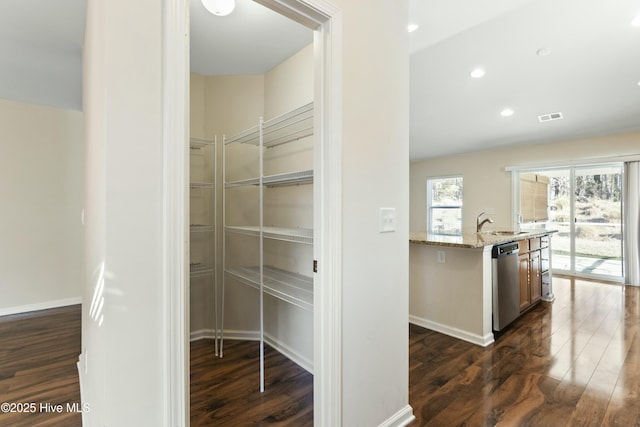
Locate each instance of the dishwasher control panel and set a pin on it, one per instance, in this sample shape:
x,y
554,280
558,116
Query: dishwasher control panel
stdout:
x,y
504,249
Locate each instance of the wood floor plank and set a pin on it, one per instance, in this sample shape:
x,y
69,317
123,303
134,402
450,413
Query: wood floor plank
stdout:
x,y
38,366
557,365
225,392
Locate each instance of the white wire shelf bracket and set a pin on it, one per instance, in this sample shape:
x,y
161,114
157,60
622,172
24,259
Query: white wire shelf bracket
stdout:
x,y
297,235
199,143
200,269
289,178
291,287
292,126
201,228
202,185
249,136
277,180
248,230
242,183
249,276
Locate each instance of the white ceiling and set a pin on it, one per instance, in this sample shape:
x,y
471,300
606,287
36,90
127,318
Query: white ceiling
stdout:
x,y
251,40
591,74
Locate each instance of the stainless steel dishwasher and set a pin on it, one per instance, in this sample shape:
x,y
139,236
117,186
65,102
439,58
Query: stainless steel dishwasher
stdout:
x,y
506,289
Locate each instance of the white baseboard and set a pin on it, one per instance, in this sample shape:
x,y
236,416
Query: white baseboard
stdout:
x,y
401,418
209,334
202,334
291,354
40,306
480,340
288,351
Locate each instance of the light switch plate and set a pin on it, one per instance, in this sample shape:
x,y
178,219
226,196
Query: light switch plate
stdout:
x,y
387,220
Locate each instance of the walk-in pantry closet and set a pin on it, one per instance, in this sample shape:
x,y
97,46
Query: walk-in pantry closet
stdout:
x,y
251,201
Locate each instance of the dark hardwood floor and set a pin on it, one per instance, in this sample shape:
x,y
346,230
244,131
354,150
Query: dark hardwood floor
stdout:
x,y
575,362
226,392
38,355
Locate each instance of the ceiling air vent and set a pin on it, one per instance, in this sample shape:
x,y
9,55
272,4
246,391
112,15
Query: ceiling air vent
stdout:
x,y
549,117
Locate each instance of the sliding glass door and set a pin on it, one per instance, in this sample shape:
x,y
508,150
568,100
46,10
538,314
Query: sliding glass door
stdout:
x,y
598,220
585,206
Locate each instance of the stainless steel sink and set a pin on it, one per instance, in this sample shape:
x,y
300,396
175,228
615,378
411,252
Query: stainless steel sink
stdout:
x,y
507,233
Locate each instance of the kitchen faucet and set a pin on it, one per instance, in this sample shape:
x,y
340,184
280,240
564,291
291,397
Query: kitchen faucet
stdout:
x,y
480,224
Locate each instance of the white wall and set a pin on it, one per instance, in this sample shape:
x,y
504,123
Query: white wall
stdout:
x,y
375,168
123,353
488,185
290,84
41,182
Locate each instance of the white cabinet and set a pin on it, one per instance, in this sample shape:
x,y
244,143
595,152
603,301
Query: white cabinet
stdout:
x,y
268,212
202,236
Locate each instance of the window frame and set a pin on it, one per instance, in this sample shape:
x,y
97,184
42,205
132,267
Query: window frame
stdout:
x,y
430,205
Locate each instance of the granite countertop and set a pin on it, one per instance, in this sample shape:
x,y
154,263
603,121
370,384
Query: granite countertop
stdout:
x,y
474,240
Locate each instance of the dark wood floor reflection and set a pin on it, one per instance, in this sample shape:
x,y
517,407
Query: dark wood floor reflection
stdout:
x,y
38,356
575,362
225,392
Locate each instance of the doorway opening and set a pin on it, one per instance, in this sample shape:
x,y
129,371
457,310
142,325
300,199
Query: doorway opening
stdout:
x,y
323,19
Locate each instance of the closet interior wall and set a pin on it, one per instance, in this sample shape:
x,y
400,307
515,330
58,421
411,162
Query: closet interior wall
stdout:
x,y
227,105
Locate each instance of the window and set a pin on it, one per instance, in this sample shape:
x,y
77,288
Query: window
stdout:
x,y
444,205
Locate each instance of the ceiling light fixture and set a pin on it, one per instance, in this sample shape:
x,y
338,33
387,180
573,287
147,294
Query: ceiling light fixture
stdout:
x,y
636,21
507,112
412,27
219,7
477,73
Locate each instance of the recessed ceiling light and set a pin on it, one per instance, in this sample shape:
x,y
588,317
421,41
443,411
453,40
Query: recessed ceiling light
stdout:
x,y
636,21
507,112
412,27
477,73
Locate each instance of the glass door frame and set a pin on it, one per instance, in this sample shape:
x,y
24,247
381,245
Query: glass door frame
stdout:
x,y
571,169
574,173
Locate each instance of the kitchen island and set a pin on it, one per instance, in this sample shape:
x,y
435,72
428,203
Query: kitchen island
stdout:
x,y
450,281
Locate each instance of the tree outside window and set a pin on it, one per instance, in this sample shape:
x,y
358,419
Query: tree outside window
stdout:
x,y
444,205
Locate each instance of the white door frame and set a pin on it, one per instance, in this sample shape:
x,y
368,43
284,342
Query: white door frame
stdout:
x,y
326,20
175,137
